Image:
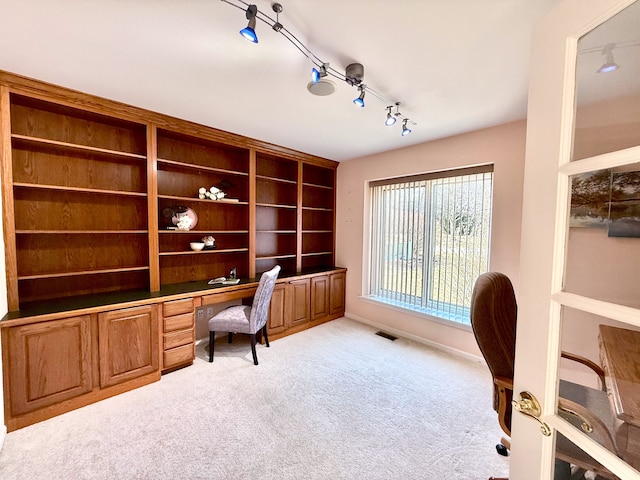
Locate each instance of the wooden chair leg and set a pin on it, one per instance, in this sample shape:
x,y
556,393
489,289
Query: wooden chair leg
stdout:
x,y
264,334
253,349
230,337
212,337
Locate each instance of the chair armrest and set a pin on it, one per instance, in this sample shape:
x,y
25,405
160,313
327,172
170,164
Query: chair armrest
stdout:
x,y
504,392
597,430
504,382
588,363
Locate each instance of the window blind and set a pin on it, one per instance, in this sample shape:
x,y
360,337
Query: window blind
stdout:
x,y
430,240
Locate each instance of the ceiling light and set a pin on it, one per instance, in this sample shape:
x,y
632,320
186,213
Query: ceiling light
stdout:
x,y
320,84
609,64
249,31
390,118
315,75
405,130
360,100
318,74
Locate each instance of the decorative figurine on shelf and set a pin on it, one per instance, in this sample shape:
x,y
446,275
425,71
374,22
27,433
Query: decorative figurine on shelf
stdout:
x,y
209,242
233,274
184,218
184,223
214,193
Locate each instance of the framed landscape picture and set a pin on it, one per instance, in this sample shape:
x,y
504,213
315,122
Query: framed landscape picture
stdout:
x,y
607,199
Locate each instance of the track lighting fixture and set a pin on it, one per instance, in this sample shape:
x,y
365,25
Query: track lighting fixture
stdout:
x,y
249,31
609,65
360,100
320,84
405,130
390,118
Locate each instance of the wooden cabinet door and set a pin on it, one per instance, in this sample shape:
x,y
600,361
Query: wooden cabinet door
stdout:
x,y
278,309
336,293
48,362
300,301
128,344
319,297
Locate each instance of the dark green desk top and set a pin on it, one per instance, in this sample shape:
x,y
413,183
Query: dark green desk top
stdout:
x,y
70,304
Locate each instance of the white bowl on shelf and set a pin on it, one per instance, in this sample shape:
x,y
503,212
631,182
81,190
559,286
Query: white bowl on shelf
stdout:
x,y
196,246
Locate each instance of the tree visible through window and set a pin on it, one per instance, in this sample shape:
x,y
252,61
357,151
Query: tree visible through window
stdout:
x,y
430,240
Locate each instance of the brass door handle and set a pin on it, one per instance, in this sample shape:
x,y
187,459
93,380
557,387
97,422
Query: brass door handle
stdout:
x,y
529,405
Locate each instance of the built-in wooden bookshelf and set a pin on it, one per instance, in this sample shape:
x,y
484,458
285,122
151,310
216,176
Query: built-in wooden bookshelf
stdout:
x,y
79,196
276,213
185,165
318,216
90,184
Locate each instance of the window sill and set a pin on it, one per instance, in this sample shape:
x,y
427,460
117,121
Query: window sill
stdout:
x,y
415,313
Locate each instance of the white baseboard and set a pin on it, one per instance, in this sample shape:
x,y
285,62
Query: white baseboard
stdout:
x,y
416,338
3,435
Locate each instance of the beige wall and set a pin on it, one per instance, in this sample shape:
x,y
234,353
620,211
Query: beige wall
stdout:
x,y
504,146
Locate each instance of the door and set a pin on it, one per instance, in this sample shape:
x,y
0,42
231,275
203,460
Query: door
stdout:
x,y
300,301
277,309
319,297
579,268
49,362
336,293
128,344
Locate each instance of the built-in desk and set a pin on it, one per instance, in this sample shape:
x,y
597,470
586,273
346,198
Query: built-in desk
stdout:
x,y
620,357
62,354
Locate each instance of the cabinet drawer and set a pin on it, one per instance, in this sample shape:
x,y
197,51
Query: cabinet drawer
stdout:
x,y
177,339
178,322
176,307
178,356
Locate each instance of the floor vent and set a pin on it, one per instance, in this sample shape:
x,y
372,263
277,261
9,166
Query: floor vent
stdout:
x,y
388,336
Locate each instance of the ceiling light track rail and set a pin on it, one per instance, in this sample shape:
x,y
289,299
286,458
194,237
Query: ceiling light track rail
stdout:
x,y
319,85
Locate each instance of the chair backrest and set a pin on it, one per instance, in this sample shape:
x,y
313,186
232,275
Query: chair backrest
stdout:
x,y
493,318
262,298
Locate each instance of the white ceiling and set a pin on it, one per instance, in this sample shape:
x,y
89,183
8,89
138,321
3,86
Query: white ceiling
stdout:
x,y
456,65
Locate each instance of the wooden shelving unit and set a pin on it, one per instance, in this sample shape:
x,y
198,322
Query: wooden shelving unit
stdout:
x,y
318,216
79,201
89,184
276,213
102,294
186,164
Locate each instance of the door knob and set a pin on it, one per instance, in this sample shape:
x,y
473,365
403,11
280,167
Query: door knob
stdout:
x,y
529,405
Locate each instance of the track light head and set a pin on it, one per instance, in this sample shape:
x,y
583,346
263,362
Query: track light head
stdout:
x,y
360,100
390,118
609,64
317,74
405,130
249,31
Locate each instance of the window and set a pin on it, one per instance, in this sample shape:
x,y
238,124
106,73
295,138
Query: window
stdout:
x,y
430,239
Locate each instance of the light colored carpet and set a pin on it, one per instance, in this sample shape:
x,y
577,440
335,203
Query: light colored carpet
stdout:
x,y
332,402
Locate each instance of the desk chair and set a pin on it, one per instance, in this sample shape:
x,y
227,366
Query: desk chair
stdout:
x,y
493,319
246,319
